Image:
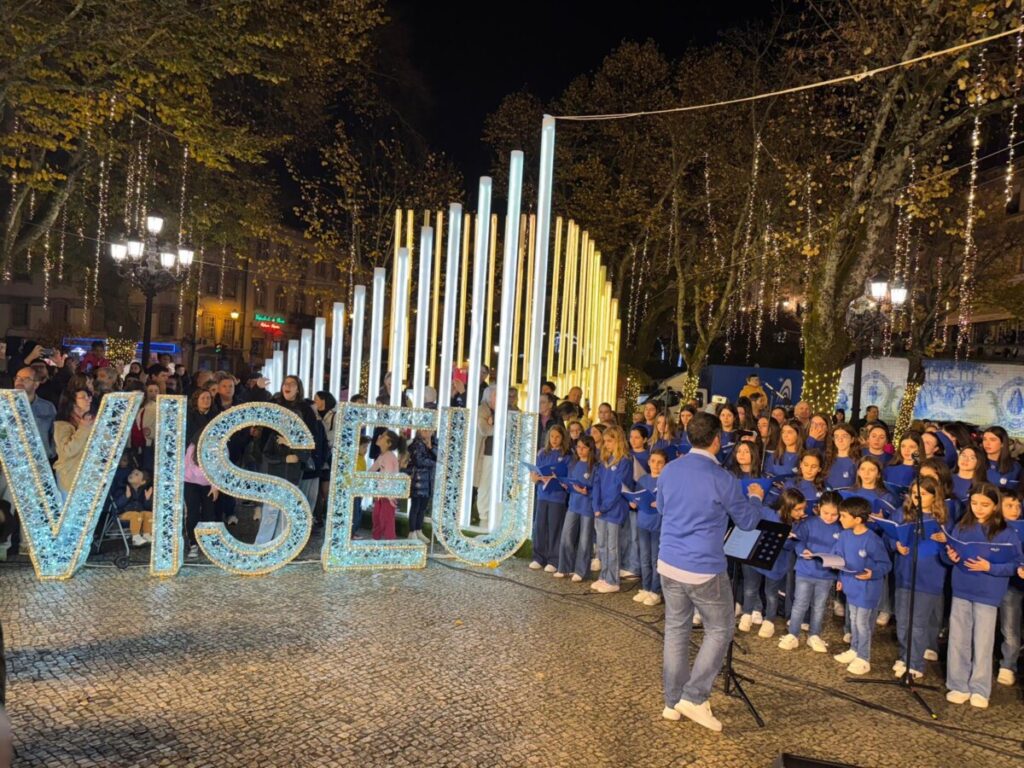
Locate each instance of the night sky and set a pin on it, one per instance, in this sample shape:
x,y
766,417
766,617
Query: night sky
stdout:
x,y
460,58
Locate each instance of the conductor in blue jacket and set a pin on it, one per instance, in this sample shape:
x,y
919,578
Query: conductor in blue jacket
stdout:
x,y
697,498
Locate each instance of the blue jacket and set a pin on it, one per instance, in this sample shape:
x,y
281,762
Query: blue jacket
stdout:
x,y
642,458
808,489
818,536
671,449
985,587
553,492
787,466
1004,480
811,442
728,444
648,517
682,443
842,473
949,453
580,503
608,490
931,570
862,551
961,488
697,498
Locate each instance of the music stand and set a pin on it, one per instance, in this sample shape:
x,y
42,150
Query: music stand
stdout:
x,y
759,548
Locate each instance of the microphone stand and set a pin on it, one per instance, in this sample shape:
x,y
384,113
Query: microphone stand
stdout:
x,y
906,680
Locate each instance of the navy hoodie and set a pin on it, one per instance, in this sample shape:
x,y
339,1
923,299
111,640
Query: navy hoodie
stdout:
x,y
841,474
582,503
985,587
607,490
861,552
553,492
817,536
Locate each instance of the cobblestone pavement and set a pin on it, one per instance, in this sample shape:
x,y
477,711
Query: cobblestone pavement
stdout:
x,y
439,667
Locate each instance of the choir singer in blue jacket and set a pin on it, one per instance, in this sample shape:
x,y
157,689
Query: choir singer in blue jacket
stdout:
x,y
697,498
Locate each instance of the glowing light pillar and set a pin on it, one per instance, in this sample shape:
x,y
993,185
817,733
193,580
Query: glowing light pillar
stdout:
x,y
355,358
292,363
423,316
306,361
337,347
434,313
319,354
483,224
553,318
451,281
376,334
399,326
540,262
278,377
510,275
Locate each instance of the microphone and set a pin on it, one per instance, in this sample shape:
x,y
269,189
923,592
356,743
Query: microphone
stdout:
x,y
769,387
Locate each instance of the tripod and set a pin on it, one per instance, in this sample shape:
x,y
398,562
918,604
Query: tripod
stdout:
x,y
732,681
906,680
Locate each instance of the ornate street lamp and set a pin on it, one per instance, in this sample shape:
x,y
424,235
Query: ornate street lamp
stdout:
x,y
867,314
152,267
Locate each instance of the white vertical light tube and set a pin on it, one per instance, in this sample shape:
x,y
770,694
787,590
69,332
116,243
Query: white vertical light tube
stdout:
x,y
268,373
291,367
319,353
355,358
510,277
337,347
419,372
400,324
278,371
306,361
476,339
376,334
451,301
540,262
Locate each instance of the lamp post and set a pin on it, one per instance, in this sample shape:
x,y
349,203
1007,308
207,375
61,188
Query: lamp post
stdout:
x,y
866,314
152,267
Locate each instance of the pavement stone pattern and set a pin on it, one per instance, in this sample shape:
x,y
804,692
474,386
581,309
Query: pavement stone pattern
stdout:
x,y
444,666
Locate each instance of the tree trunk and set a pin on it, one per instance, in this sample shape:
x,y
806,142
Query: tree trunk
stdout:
x,y
915,379
825,350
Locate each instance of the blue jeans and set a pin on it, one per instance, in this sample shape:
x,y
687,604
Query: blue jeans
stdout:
x,y
629,544
649,544
608,537
972,633
862,624
772,587
885,601
810,595
577,541
927,610
548,531
713,599
752,581
1009,624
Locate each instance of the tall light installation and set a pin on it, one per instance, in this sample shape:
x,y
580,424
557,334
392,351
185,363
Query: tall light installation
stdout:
x,y
376,335
423,316
337,348
355,358
451,278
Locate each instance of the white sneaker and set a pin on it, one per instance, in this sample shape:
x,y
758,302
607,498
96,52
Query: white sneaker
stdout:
x,y
257,513
640,596
624,574
549,568
595,585
653,599
767,630
858,667
138,541
670,714
193,553
930,655
423,537
899,668
883,619
535,566
558,575
745,622
958,697
846,657
847,637
696,618
605,588
838,610
700,714
595,564
148,537
756,617
805,627
738,609
916,675
1006,677
979,701
576,578
412,536
232,520
816,644
789,642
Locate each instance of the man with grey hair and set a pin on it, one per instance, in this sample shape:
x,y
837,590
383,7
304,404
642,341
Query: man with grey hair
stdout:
x,y
27,380
802,412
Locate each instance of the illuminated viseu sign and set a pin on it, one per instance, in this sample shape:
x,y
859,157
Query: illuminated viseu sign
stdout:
x,y
59,523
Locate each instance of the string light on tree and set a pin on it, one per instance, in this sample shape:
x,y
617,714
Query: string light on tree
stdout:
x,y
970,250
1008,191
